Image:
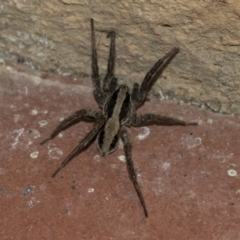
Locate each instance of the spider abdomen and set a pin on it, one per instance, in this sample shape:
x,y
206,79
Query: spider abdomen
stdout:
x,y
107,140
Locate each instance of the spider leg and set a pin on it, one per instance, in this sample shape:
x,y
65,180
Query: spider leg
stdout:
x,y
70,121
112,84
135,92
147,119
98,94
130,167
83,144
107,82
149,78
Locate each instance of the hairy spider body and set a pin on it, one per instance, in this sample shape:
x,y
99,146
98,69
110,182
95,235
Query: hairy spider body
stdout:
x,y
118,109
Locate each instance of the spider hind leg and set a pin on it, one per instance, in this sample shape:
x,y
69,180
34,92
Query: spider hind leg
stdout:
x,y
130,167
83,144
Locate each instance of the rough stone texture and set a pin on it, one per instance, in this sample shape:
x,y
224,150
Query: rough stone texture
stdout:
x,y
55,36
189,176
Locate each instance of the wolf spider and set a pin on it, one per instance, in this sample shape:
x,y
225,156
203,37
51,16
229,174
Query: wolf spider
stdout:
x,y
118,110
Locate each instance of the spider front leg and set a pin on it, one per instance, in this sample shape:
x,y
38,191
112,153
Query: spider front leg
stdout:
x,y
110,82
149,78
135,94
98,93
130,167
83,144
70,121
147,119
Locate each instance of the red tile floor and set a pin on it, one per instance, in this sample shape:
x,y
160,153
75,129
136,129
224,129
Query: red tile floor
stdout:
x,y
189,176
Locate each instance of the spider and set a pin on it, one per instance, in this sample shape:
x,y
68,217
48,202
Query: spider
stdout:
x,y
118,107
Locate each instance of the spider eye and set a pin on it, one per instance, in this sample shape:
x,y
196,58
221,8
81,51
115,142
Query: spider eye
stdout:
x,y
124,88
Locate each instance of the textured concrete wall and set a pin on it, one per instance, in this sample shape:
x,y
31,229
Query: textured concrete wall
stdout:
x,y
55,36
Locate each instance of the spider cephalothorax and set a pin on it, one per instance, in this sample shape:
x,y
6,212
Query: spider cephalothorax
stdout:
x,y
118,110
